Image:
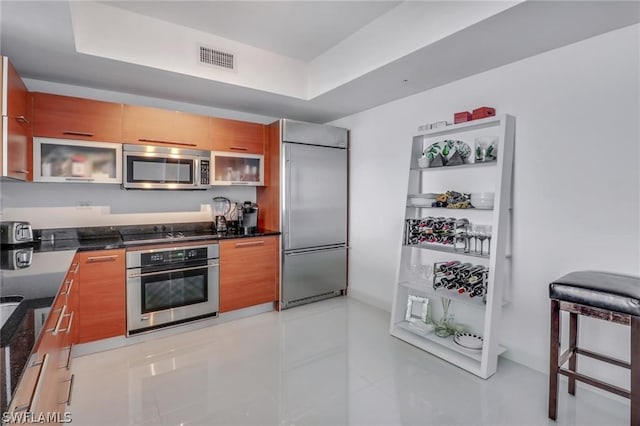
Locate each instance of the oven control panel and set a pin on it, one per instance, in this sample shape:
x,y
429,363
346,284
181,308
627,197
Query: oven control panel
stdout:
x,y
173,256
168,256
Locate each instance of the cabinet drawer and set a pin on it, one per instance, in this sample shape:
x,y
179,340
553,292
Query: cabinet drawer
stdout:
x,y
23,397
248,272
237,136
152,126
76,118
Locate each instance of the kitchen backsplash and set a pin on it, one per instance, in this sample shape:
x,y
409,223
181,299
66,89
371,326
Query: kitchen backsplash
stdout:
x,y
52,205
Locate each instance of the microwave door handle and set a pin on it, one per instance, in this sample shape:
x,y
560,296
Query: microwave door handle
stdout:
x,y
167,271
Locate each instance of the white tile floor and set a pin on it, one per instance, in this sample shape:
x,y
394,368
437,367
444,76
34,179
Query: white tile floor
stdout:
x,y
328,363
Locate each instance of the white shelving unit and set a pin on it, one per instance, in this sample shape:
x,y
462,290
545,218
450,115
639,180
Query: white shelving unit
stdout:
x,y
478,316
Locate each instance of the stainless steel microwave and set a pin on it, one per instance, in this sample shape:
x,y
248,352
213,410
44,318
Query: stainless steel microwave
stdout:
x,y
159,167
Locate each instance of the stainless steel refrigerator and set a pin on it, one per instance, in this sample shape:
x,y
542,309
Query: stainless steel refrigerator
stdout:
x,y
314,185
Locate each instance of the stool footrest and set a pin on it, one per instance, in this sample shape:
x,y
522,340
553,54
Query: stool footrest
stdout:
x,y
604,358
595,383
566,356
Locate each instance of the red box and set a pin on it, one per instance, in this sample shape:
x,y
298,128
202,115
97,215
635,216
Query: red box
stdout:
x,y
461,117
483,112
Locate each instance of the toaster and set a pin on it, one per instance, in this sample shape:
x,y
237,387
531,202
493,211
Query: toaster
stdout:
x,y
16,232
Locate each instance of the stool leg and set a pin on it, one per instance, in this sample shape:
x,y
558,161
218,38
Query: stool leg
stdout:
x,y
554,349
635,371
573,344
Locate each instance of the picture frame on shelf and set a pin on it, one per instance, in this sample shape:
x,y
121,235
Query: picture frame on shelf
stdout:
x,y
417,309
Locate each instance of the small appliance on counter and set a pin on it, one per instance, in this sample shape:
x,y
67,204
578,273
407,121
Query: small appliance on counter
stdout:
x,y
16,258
13,233
249,224
221,207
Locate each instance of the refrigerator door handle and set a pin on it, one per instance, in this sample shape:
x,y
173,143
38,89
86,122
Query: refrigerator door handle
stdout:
x,y
325,249
291,166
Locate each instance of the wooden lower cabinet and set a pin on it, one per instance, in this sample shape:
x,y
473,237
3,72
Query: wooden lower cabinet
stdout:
x,y
249,272
44,391
101,295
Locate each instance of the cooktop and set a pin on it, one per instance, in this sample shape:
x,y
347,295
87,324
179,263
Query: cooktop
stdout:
x,y
168,233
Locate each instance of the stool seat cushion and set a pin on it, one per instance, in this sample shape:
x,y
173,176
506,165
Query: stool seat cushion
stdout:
x,y
604,290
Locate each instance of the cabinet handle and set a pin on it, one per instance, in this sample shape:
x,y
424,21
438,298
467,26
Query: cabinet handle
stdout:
x,y
79,179
69,285
35,362
36,392
75,271
250,244
239,148
21,407
68,400
24,172
95,259
239,183
61,310
56,329
67,348
68,329
76,133
166,142
22,119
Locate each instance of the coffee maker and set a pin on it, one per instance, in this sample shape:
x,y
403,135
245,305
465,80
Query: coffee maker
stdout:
x,y
249,218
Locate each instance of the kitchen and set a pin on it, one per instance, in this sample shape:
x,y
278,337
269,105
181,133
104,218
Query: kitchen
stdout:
x,y
562,120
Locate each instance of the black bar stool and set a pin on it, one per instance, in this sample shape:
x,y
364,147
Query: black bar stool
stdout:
x,y
602,295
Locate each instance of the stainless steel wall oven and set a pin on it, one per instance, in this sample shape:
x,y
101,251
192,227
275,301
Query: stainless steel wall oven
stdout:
x,y
168,286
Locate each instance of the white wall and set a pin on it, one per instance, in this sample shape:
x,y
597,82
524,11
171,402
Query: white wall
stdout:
x,y
576,180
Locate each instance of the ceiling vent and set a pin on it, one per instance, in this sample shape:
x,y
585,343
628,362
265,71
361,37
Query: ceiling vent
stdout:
x,y
217,58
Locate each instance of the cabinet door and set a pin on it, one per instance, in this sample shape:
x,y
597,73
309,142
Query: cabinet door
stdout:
x,y
249,272
237,136
101,296
152,126
76,118
57,160
17,143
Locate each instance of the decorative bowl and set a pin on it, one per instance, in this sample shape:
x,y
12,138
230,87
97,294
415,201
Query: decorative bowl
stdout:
x,y
482,200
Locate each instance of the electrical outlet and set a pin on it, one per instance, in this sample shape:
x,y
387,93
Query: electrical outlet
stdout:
x,y
83,204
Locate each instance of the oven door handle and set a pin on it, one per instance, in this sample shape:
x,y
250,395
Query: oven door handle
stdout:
x,y
168,271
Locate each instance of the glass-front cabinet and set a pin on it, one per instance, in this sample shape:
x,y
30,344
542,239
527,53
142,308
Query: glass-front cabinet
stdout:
x,y
61,160
230,168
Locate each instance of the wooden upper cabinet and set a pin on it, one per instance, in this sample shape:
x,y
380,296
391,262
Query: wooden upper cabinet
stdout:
x,y
17,135
237,136
67,117
249,273
152,126
101,295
